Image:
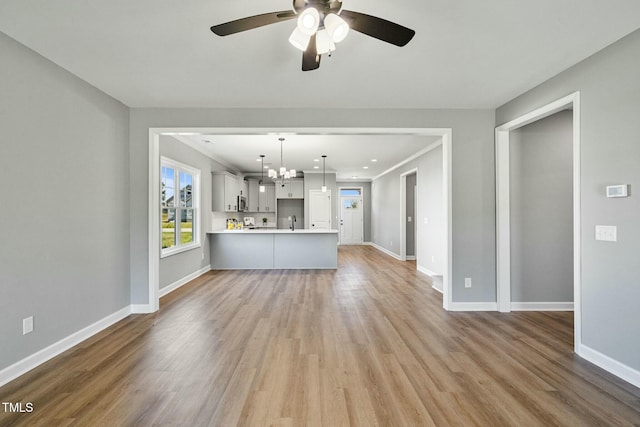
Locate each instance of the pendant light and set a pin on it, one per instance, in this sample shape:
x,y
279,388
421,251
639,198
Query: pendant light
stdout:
x,y
283,175
262,189
324,162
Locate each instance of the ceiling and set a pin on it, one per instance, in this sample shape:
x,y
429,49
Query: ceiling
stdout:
x,y
466,53
350,156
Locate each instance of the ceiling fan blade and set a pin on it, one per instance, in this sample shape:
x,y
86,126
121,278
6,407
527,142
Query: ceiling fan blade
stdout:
x,y
310,57
252,22
378,28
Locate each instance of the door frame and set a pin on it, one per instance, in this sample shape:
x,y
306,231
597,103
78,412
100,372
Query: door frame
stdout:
x,y
339,199
153,238
403,214
503,226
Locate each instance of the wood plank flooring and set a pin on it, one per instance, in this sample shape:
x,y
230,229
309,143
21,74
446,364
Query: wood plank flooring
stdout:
x,y
366,345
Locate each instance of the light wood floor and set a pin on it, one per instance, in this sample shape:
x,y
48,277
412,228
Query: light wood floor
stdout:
x,y
368,344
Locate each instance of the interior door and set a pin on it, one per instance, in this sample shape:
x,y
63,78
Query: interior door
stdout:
x,y
351,225
320,209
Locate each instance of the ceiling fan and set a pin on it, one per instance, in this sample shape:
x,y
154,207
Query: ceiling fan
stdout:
x,y
321,24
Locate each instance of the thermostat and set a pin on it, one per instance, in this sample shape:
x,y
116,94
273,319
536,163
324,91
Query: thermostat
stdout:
x,y
617,190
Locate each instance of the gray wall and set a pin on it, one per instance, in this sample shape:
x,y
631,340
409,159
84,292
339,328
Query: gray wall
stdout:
x,y
473,176
610,149
180,265
411,213
386,211
366,202
64,164
541,196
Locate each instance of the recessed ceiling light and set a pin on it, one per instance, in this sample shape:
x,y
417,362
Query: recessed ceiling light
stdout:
x,y
316,167
316,160
365,167
354,177
258,159
374,160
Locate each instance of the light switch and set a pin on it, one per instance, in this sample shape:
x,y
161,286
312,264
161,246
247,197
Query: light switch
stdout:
x,y
409,219
607,233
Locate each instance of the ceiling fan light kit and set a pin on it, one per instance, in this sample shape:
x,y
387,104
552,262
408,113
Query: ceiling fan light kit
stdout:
x,y
321,24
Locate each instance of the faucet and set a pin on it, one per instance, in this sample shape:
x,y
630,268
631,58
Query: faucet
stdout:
x,y
293,223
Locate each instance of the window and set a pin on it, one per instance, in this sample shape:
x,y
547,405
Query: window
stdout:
x,y
179,208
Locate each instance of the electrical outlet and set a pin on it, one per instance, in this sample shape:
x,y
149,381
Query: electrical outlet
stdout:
x,y
467,282
27,325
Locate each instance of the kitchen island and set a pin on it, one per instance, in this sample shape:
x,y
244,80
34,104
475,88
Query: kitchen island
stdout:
x,y
273,249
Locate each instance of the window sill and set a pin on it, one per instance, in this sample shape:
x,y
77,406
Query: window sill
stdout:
x,y
177,250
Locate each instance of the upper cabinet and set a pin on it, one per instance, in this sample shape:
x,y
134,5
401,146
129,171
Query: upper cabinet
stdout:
x,y
294,189
261,202
224,192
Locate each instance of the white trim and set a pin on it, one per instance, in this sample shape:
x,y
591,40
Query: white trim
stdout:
x,y
153,303
386,251
447,207
30,362
154,183
409,159
473,306
178,168
403,206
541,306
427,271
437,289
142,309
605,362
181,282
503,256
410,257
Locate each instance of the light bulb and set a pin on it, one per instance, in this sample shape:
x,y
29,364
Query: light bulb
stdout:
x,y
308,21
299,39
337,27
324,44
292,173
324,188
262,189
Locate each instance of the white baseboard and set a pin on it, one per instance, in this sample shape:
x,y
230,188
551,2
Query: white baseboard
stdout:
x,y
542,306
426,271
411,257
605,362
437,289
180,282
386,251
28,363
473,306
141,309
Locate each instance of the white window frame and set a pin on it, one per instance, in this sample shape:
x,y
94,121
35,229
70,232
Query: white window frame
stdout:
x,y
195,201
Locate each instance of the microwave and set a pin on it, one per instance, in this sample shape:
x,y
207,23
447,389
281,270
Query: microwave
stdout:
x,y
242,204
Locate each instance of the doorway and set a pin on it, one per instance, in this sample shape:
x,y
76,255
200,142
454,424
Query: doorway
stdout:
x,y
320,209
503,204
351,216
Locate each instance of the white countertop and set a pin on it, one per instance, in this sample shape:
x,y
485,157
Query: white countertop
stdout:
x,y
275,231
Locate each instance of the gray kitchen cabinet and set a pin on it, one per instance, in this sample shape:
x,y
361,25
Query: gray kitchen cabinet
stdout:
x,y
294,189
224,192
261,202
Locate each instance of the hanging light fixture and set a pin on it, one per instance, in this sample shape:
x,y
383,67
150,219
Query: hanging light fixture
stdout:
x,y
324,162
262,189
283,175
329,30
